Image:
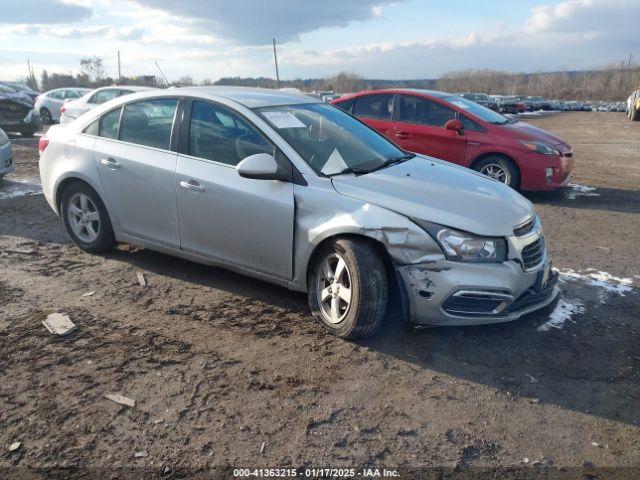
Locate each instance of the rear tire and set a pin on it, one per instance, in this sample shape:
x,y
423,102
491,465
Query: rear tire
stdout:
x,y
45,114
347,288
501,169
86,219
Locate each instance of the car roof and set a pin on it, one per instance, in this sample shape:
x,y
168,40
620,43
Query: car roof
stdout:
x,y
248,96
421,91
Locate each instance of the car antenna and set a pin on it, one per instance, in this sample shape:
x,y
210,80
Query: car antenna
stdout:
x,y
163,76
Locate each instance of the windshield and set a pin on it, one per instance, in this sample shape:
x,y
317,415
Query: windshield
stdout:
x,y
330,140
479,111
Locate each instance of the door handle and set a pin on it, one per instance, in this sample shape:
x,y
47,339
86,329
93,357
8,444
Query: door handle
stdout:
x,y
110,162
402,135
192,185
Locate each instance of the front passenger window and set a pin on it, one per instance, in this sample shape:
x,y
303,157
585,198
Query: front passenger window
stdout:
x,y
222,136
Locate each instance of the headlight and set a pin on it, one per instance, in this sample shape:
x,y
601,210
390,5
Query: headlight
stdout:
x,y
541,147
466,247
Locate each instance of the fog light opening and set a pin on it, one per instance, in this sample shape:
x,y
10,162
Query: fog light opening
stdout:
x,y
549,171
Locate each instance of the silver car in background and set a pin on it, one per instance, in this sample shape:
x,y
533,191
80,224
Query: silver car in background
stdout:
x,y
291,190
6,155
72,109
48,104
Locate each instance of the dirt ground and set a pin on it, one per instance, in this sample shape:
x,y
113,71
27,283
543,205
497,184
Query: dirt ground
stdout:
x,y
231,372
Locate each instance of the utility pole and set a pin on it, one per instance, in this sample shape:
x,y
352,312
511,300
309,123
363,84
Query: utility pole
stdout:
x,y
275,58
161,73
119,70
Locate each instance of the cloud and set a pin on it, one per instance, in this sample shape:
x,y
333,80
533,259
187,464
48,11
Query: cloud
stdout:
x,y
586,17
78,33
256,22
43,11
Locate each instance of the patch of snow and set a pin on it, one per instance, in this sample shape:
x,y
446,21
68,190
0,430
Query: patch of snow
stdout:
x,y
565,309
602,280
13,189
578,190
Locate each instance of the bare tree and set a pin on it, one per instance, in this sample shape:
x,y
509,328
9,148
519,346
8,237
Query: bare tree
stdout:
x,y
93,68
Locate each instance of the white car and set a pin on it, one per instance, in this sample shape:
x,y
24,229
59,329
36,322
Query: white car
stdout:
x,y
49,103
73,109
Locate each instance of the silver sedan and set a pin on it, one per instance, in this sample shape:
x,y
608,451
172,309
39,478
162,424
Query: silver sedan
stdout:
x,y
294,191
6,155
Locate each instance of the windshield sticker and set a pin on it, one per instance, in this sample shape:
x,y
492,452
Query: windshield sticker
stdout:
x,y
284,119
460,104
335,163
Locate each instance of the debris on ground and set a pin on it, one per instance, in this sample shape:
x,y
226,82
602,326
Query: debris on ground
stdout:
x,y
121,399
264,444
141,454
15,446
59,324
21,251
141,280
88,294
531,378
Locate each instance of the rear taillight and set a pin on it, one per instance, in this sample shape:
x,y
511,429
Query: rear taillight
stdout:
x,y
62,109
43,143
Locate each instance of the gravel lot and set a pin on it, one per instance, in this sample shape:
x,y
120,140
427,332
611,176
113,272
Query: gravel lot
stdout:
x,y
231,372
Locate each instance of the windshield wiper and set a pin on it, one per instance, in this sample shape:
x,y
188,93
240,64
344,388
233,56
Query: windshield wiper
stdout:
x,y
348,170
393,161
362,171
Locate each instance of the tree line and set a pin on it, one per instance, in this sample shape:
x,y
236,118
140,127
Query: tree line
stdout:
x,y
612,82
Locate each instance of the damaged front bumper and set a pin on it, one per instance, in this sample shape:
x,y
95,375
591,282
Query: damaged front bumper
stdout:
x,y
455,293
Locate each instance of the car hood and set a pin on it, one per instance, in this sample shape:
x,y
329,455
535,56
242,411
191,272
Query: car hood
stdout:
x,y
439,192
526,131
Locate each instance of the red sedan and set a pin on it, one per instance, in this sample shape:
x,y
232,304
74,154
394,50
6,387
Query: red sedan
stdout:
x,y
451,128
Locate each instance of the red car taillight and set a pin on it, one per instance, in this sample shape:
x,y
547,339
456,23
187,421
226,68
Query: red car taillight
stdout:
x,y
43,143
62,109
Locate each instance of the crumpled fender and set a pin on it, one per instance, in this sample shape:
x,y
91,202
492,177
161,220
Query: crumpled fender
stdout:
x,y
321,214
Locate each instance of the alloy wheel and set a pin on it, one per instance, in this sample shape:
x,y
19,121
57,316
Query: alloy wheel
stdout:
x,y
497,172
333,288
46,116
84,217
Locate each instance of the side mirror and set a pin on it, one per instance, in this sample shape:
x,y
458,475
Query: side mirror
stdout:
x,y
261,166
455,125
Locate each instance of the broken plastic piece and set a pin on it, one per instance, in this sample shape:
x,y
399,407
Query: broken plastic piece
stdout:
x,y
59,324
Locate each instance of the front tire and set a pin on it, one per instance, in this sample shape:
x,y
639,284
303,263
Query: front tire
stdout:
x,y
501,169
86,219
347,288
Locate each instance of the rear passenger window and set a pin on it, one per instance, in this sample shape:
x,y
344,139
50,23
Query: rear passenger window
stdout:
x,y
378,107
103,96
219,135
424,112
108,124
149,122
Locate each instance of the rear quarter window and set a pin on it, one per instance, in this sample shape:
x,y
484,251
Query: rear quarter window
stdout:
x,y
347,105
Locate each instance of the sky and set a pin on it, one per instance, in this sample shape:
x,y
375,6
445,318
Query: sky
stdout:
x,y
384,39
